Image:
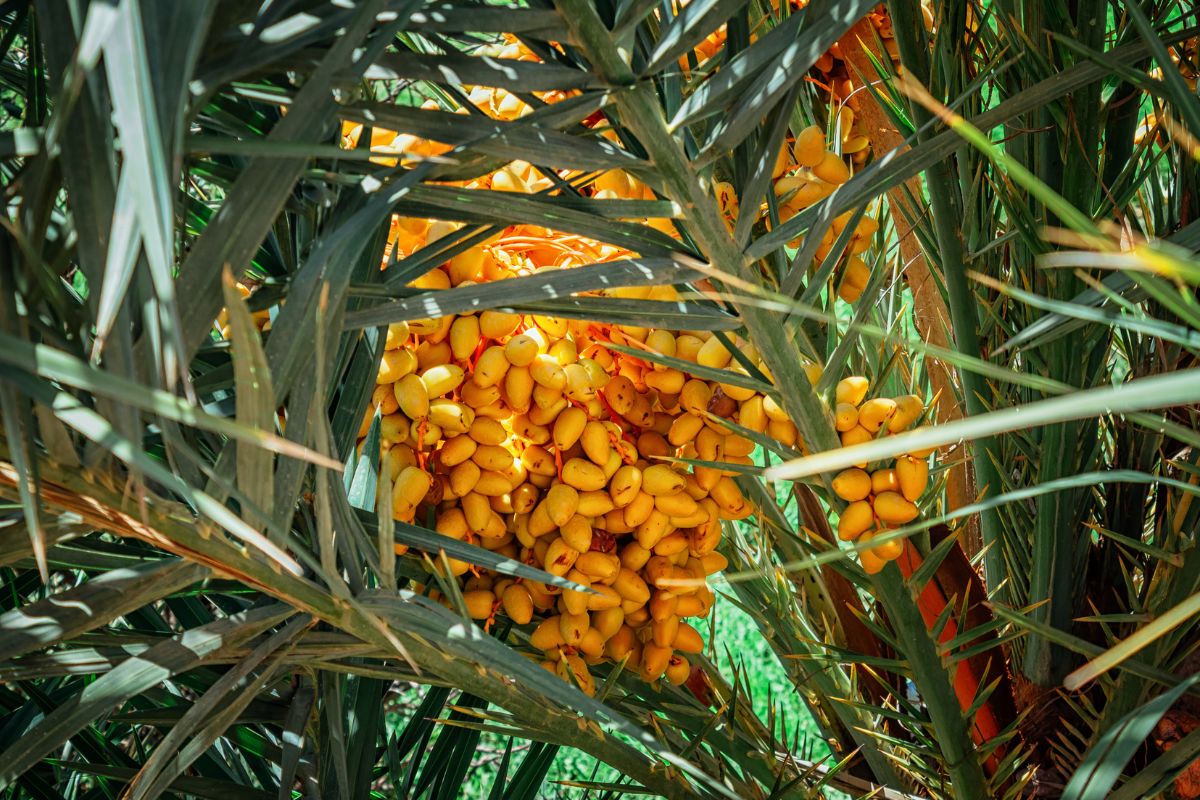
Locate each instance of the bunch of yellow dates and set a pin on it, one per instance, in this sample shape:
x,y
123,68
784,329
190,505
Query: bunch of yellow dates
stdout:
x,y
807,170
529,436
811,175
885,498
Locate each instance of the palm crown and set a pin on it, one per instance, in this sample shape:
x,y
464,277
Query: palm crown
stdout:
x,y
861,234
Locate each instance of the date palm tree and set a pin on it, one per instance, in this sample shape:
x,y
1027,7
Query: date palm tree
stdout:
x,y
200,595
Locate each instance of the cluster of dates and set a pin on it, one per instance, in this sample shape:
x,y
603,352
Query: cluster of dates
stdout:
x,y
885,498
530,437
